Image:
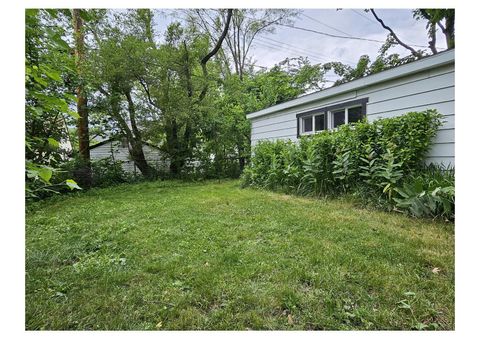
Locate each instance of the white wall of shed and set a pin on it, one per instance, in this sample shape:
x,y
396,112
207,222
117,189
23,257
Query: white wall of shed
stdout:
x,y
115,150
431,89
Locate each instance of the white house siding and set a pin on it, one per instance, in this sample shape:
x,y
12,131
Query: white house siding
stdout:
x,y
115,150
428,89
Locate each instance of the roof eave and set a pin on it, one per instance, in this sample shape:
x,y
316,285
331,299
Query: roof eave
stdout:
x,y
426,63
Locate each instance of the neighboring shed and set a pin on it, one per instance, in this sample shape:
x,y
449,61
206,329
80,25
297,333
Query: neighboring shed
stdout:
x,y
428,83
117,149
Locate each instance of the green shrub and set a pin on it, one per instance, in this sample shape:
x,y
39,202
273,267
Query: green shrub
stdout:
x,y
430,192
211,166
318,154
369,159
291,166
108,172
388,173
105,172
266,169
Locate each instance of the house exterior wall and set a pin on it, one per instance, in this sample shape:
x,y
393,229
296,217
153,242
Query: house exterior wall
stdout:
x,y
428,89
119,152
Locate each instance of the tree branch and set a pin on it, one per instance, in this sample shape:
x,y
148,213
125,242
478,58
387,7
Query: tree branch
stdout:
x,y
432,31
220,40
433,38
147,92
414,52
212,53
442,27
186,67
131,112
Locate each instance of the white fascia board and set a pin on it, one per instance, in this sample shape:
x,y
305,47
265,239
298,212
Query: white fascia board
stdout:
x,y
426,63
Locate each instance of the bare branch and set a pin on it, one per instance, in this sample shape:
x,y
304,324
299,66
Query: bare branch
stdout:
x,y
414,52
213,52
273,22
220,40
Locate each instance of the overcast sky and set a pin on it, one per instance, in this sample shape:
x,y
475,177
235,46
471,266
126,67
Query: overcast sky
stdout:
x,y
287,42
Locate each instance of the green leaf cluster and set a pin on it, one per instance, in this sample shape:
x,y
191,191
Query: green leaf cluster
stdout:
x,y
428,193
371,160
48,100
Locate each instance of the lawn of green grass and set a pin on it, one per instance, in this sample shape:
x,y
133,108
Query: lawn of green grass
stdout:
x,y
172,255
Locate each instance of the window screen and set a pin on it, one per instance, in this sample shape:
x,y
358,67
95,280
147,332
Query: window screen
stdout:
x,y
338,118
354,114
307,124
320,122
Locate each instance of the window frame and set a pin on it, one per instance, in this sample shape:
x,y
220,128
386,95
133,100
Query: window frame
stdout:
x,y
345,112
313,116
328,116
303,124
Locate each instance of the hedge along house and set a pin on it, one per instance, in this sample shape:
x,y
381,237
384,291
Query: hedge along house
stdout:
x,y
116,149
428,83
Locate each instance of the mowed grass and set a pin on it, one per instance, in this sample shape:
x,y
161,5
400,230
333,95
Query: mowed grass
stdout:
x,y
172,255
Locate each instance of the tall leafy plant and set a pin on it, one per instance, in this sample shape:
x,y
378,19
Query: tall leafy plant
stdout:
x,y
430,192
389,173
47,99
371,159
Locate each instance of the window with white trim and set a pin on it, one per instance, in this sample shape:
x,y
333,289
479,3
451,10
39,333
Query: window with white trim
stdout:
x,y
331,117
307,124
346,115
313,123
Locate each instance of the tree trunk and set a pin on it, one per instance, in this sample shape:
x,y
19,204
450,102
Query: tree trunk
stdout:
x,y
433,38
172,141
244,153
135,141
84,173
242,161
136,151
450,31
241,157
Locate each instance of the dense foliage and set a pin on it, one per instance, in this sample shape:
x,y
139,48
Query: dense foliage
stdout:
x,y
142,86
429,192
93,74
105,172
379,161
48,79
